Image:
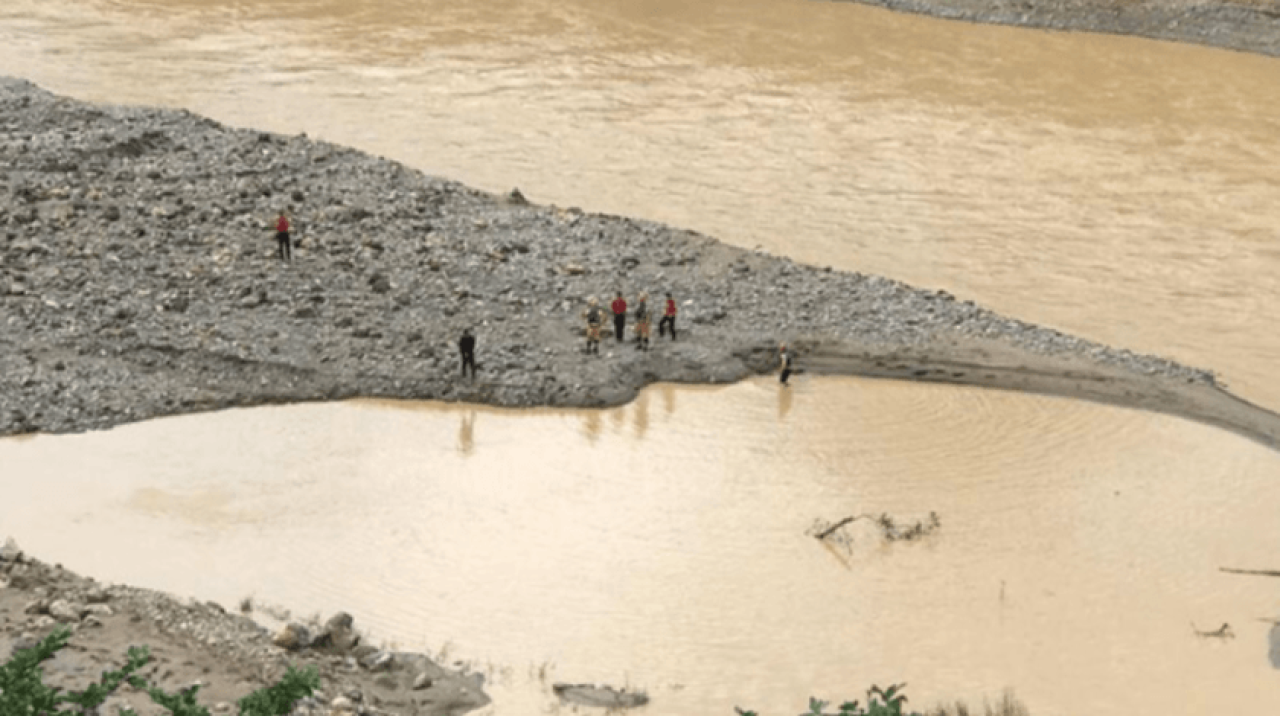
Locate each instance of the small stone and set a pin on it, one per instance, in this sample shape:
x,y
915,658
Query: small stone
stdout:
x,y
379,283
378,661
99,610
292,637
24,642
342,703
422,681
65,611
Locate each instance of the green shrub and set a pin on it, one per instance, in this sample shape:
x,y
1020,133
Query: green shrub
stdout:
x,y
24,693
880,702
890,701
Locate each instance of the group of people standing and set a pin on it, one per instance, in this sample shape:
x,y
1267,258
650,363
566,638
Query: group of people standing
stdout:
x,y
594,316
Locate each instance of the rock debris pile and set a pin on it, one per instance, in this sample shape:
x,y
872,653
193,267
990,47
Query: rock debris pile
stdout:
x,y
228,655
138,278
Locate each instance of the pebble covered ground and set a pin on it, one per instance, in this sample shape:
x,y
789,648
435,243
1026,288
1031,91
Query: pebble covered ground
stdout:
x,y
1244,25
228,655
139,277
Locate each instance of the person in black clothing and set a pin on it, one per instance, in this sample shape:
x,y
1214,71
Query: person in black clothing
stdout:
x,y
784,356
467,344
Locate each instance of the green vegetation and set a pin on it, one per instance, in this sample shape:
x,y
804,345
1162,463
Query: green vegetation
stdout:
x,y
891,701
24,693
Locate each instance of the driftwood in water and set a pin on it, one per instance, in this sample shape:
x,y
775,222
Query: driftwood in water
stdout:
x,y
831,530
1254,572
889,529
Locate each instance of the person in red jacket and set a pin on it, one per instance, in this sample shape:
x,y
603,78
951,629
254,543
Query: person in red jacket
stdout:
x,y
619,307
668,318
282,238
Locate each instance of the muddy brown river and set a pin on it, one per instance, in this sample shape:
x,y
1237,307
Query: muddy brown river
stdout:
x,y
1119,189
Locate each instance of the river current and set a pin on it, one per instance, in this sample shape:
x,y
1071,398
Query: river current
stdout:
x,y
1115,188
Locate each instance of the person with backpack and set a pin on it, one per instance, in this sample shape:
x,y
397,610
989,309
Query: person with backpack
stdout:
x,y
668,318
595,318
619,307
644,319
784,357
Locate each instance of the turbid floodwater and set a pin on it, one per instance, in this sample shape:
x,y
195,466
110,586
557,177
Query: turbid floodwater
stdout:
x,y
664,545
1115,188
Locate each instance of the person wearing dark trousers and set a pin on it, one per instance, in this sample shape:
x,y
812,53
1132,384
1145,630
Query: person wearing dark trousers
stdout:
x,y
644,320
467,344
784,356
282,238
619,307
668,318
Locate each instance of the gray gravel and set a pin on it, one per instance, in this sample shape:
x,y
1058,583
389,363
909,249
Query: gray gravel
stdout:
x,y
138,278
1244,25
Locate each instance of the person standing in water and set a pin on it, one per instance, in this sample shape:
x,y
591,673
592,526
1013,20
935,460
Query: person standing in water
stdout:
x,y
282,238
784,357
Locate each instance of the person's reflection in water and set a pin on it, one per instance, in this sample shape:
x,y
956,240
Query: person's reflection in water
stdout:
x,y
1274,639
669,399
591,425
784,403
466,433
641,415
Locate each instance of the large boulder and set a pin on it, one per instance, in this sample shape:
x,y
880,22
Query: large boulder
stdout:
x,y
606,697
10,551
338,635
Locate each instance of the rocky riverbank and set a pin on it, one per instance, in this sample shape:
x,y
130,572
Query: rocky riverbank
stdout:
x,y
1244,25
139,278
200,643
